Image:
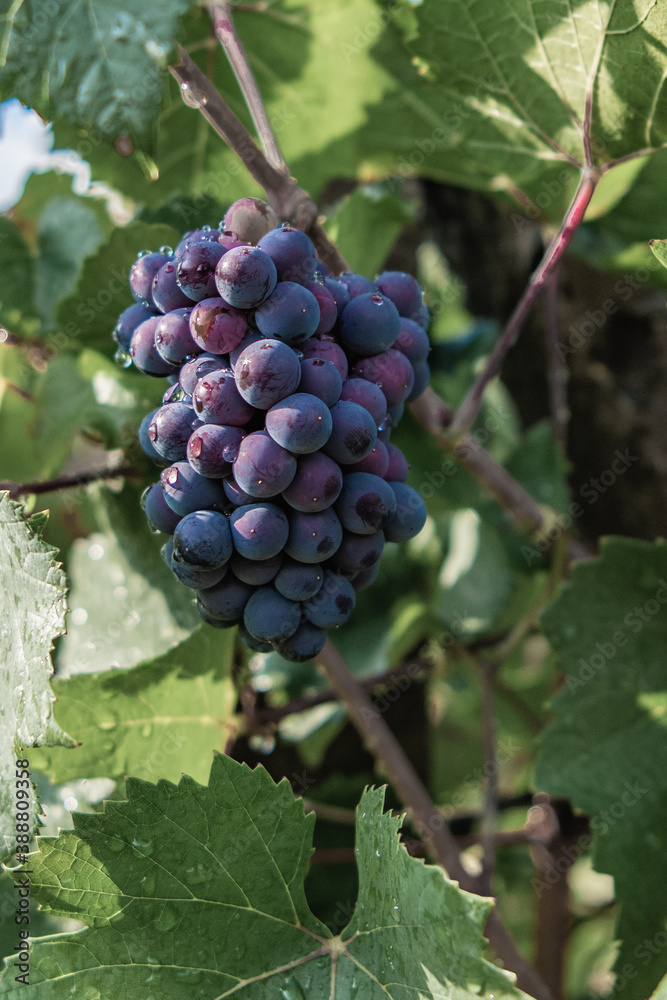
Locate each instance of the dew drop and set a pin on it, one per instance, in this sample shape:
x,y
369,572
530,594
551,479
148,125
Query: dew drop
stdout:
x,y
123,358
168,252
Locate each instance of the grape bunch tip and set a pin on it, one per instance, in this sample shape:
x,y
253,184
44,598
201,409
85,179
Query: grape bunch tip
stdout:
x,y
279,484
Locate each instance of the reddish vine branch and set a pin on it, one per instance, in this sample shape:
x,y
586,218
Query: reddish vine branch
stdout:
x,y
469,408
68,482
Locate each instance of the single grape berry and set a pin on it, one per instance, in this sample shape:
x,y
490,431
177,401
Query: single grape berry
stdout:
x,y
245,277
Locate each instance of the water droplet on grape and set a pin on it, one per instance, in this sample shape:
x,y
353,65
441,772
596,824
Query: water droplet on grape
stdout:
x,y
142,253
123,358
168,251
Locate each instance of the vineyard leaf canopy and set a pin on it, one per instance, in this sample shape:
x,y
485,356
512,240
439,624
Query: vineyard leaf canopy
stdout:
x,y
32,613
200,890
96,63
606,750
158,719
504,90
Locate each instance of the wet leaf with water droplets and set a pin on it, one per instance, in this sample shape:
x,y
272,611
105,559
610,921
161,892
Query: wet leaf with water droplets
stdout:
x,y
32,613
217,904
606,750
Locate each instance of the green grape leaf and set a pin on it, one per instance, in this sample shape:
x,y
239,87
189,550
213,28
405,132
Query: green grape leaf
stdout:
x,y
200,890
17,409
659,248
365,227
33,605
158,719
606,749
87,393
18,278
127,606
89,314
68,232
90,61
509,97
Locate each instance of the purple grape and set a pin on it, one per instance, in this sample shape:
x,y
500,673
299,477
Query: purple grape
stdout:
x,y
333,604
234,493
196,577
252,642
403,290
300,423
366,577
328,350
170,430
376,461
306,643
245,277
212,448
358,552
262,468
256,572
251,337
356,284
327,304
321,271
299,581
203,539
216,326
413,341
353,434
292,252
144,352
142,273
370,323
217,400
290,314
270,616
410,515
422,379
422,316
165,291
196,269
392,371
230,240
368,395
250,219
226,600
127,323
366,503
322,379
340,294
173,340
203,235
145,442
395,414
397,470
186,491
313,537
158,513
197,368
259,530
266,372
316,484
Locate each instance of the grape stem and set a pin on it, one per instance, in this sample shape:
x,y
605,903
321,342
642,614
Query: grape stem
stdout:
x,y
556,367
470,406
288,200
223,26
68,482
428,822
435,416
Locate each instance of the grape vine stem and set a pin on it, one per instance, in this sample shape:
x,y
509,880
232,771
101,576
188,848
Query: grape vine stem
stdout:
x,y
470,406
288,200
425,817
223,26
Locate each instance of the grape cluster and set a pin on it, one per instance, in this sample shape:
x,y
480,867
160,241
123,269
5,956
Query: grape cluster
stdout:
x,y
279,483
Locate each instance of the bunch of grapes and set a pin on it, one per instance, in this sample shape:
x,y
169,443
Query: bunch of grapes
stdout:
x,y
279,483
